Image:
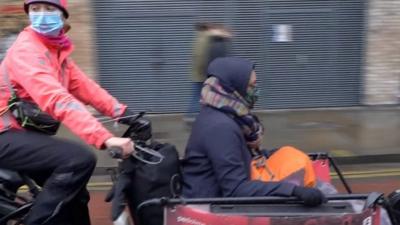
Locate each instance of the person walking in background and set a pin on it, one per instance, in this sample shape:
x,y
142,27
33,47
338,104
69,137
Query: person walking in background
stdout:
x,y
212,41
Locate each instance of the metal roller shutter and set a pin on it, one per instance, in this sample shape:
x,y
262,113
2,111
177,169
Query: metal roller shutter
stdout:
x,y
144,49
321,64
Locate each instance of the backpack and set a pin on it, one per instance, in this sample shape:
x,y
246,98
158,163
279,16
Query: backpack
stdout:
x,y
145,177
286,163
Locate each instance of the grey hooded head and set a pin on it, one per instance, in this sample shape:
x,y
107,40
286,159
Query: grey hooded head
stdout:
x,y
233,73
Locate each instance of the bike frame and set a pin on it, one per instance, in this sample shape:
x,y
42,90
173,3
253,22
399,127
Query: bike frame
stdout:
x,y
17,209
272,210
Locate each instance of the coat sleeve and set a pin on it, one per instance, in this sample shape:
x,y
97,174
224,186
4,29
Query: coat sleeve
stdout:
x,y
33,72
225,151
90,93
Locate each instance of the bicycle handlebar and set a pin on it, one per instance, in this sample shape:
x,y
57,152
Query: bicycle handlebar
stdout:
x,y
115,152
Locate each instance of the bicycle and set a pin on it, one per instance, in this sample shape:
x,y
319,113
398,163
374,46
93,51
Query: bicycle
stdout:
x,y
15,206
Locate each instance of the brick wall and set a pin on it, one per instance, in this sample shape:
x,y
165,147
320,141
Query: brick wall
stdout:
x,y
13,20
82,35
382,70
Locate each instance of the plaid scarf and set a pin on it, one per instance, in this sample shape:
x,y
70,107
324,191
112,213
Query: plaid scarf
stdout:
x,y
233,104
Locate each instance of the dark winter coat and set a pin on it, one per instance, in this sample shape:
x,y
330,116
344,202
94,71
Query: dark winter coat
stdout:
x,y
217,160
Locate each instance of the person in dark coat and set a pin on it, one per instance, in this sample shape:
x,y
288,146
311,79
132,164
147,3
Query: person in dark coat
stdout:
x,y
217,158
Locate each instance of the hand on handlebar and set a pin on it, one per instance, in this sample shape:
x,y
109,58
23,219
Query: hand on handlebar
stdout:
x,y
125,144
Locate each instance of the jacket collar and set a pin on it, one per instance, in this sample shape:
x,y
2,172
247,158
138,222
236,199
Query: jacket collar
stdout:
x,y
64,52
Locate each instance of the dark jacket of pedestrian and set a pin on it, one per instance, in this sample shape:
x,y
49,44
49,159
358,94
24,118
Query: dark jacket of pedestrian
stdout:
x,y
209,45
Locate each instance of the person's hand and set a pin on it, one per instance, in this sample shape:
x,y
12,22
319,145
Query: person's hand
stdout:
x,y
126,144
310,196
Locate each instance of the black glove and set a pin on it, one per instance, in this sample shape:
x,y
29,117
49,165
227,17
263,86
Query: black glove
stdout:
x,y
127,117
139,127
310,196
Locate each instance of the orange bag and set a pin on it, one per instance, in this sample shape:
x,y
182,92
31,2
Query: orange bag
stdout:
x,y
286,164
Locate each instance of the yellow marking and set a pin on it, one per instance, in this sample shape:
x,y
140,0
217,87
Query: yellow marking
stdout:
x,y
371,174
341,153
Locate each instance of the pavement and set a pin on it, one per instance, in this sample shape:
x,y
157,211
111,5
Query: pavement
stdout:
x,y
342,132
362,140
352,135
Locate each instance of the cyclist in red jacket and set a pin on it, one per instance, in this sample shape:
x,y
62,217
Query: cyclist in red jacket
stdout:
x,y
38,69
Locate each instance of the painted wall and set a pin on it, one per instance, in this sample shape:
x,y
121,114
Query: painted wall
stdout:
x,y
382,71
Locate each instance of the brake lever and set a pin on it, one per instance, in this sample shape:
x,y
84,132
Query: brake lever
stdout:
x,y
135,116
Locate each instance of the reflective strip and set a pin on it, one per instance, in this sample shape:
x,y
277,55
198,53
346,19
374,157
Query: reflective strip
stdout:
x,y
117,110
42,60
69,105
48,55
6,116
56,211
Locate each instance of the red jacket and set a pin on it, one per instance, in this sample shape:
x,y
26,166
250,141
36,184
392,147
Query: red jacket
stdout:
x,y
48,77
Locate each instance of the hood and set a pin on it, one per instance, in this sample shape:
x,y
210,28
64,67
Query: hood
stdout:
x,y
233,73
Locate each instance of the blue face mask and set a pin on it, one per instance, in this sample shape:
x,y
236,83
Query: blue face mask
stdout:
x,y
47,23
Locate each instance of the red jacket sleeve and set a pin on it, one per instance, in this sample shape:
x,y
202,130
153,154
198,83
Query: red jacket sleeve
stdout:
x,y
33,72
89,92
